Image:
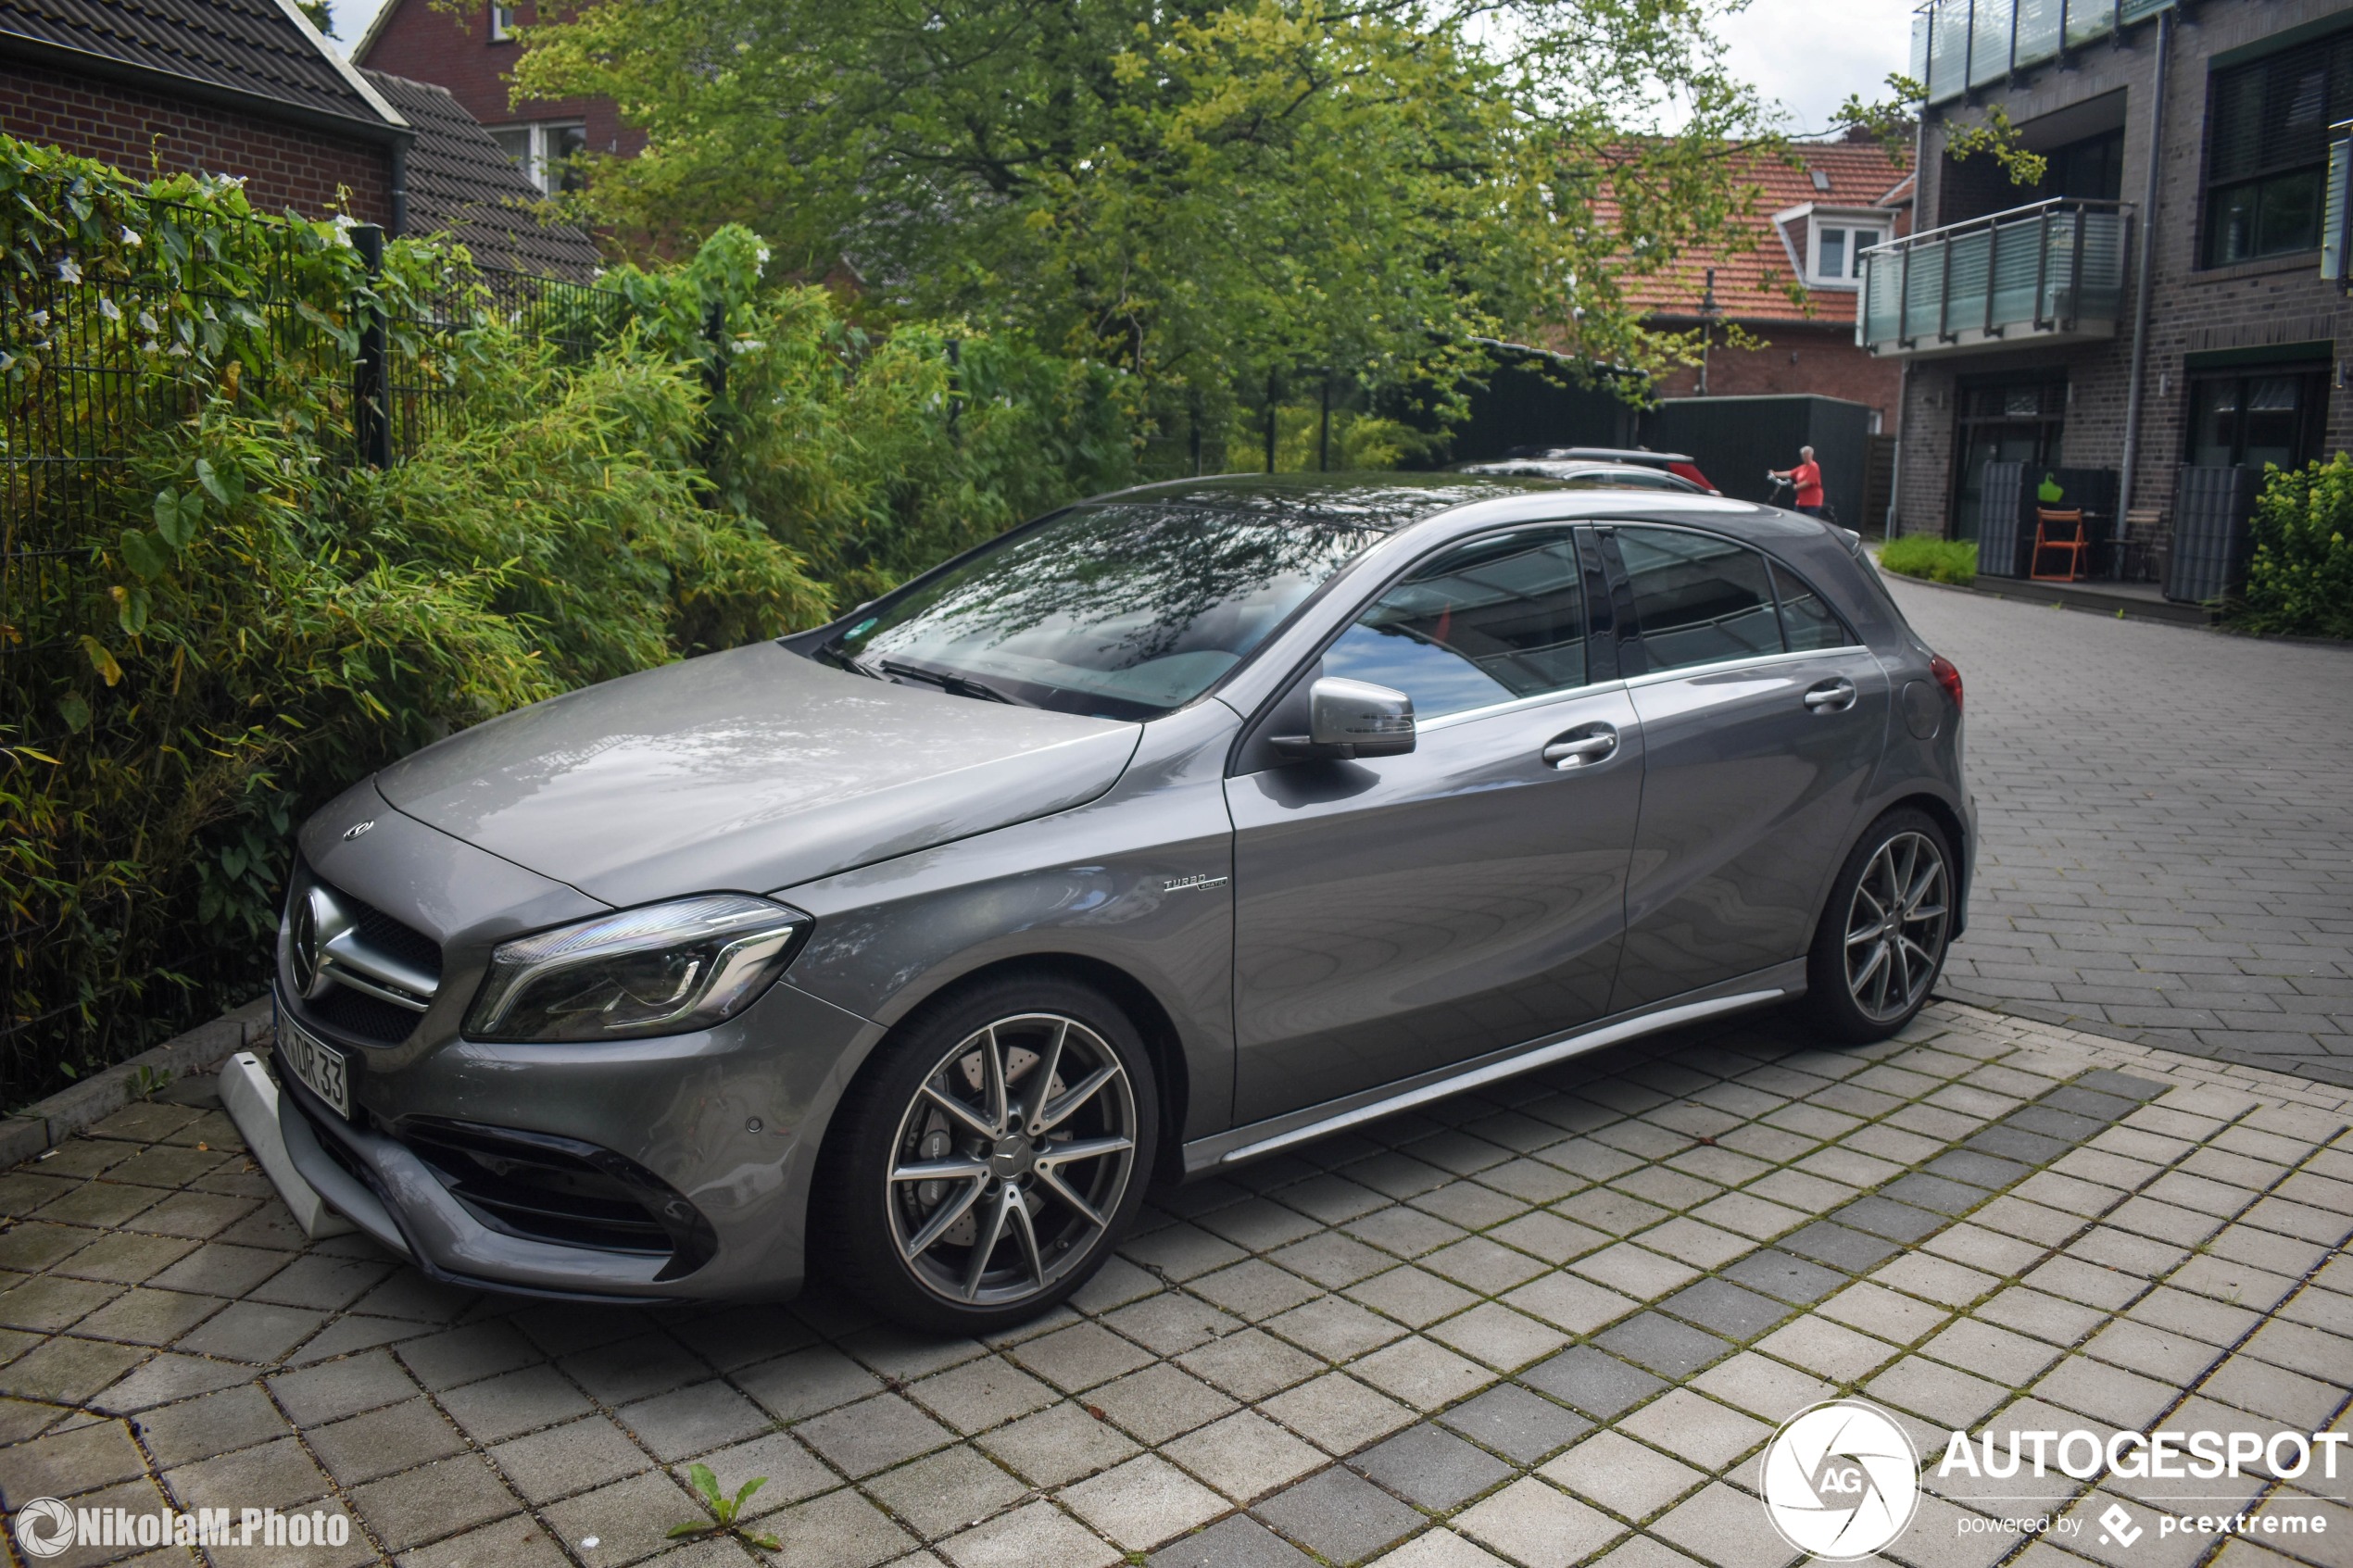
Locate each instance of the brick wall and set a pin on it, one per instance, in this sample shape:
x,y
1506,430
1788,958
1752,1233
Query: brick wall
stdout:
x,y
285,166
424,43
2192,309
1798,358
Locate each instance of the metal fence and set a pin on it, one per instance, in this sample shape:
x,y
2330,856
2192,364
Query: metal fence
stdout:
x,y
92,352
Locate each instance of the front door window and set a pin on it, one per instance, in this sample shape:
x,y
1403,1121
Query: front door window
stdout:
x,y
2016,423
2248,420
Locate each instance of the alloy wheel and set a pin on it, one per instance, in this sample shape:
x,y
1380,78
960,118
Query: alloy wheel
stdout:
x,y
1011,1160
1896,926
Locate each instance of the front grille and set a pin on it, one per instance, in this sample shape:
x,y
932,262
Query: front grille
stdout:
x,y
549,1189
369,1018
384,932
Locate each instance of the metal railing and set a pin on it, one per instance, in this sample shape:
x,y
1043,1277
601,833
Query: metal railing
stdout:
x,y
1959,45
2054,269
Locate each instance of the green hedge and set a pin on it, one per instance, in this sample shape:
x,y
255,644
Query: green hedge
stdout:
x,y
239,619
2300,580
1939,560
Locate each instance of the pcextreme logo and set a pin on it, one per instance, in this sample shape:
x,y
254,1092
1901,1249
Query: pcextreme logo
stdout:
x,y
1840,1479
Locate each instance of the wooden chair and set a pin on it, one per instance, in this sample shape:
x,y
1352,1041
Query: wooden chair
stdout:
x,y
2061,534
2143,544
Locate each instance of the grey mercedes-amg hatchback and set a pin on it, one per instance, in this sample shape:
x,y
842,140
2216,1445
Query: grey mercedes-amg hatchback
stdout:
x,y
1167,831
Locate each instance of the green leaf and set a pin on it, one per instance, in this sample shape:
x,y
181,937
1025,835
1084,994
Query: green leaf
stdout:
x,y
100,659
703,1481
176,517
745,1490
144,554
74,711
131,613
698,1528
211,480
765,1543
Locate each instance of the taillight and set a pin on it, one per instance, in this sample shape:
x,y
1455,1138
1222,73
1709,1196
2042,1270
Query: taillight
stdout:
x,y
1946,677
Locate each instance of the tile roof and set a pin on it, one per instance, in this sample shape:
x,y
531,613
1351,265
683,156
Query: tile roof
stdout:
x,y
1752,281
461,184
253,48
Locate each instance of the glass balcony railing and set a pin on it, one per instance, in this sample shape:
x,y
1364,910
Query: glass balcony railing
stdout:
x,y
1961,45
2052,270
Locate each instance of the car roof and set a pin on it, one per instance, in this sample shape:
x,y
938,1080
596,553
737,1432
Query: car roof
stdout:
x,y
1563,468
1391,503
1641,457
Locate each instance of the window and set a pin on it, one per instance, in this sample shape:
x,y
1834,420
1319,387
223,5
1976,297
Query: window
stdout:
x,y
1837,246
2246,419
2266,150
502,22
2091,170
545,152
1491,621
1699,599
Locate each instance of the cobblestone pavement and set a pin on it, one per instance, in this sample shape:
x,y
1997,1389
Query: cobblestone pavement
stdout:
x,y
1549,1325
2167,822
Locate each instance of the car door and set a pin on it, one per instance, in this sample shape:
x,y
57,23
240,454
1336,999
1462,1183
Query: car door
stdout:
x,y
1397,914
1763,720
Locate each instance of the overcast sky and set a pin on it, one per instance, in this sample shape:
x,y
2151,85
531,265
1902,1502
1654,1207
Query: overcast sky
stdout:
x,y
1805,55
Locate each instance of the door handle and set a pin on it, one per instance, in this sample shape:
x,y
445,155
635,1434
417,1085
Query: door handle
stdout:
x,y
1582,746
1832,696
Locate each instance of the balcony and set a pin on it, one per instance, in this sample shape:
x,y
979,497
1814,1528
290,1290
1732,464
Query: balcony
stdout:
x,y
2052,272
1961,45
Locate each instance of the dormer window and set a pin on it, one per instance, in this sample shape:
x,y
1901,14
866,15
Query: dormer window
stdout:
x,y
1835,247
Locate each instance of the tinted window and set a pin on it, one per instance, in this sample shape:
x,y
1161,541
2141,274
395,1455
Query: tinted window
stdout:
x,y
1124,611
1490,622
1697,598
1806,621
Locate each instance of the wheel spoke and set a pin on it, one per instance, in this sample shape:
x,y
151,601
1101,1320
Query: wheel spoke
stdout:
x,y
941,1171
1055,1156
959,1111
1055,1114
1025,1235
1053,1180
942,1218
992,1231
1863,975
1934,912
1868,934
992,1079
1041,1076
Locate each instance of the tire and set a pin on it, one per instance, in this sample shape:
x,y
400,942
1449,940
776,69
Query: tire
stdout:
x,y
1870,971
1012,1221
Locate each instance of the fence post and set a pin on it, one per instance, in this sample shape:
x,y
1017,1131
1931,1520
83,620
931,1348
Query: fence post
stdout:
x,y
371,376
955,385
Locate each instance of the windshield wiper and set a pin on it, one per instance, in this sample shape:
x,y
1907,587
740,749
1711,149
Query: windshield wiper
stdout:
x,y
946,681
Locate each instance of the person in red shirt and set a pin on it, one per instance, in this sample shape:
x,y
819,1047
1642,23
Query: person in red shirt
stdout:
x,y
1808,477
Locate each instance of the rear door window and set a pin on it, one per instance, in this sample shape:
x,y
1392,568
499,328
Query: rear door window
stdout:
x,y
1698,598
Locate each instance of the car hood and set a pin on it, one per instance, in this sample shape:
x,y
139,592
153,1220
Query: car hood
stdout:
x,y
752,770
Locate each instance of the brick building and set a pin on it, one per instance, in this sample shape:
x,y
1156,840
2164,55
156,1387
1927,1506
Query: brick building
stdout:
x,y
1793,285
2153,314
241,87
472,53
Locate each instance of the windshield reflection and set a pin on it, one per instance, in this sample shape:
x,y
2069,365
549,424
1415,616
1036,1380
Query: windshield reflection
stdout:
x,y
1124,610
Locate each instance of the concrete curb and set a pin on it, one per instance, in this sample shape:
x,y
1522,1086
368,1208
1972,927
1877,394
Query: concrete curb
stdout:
x,y
45,1124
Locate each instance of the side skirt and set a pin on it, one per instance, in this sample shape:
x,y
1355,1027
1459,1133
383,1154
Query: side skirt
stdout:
x,y
1778,984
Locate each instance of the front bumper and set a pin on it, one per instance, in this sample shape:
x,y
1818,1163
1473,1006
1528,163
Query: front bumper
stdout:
x,y
728,1121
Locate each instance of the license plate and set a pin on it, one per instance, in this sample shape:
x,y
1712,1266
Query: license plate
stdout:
x,y
318,1064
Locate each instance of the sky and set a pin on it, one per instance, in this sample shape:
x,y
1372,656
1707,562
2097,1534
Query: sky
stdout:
x,y
1805,55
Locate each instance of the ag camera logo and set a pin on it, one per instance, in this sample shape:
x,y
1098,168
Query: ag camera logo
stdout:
x,y
45,1527
1841,1480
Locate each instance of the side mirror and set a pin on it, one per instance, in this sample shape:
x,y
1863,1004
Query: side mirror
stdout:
x,y
1350,719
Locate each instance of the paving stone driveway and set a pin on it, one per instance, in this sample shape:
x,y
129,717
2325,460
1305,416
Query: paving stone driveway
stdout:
x,y
1546,1325
2167,820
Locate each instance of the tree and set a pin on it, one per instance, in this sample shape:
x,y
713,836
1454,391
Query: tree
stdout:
x,y
1203,193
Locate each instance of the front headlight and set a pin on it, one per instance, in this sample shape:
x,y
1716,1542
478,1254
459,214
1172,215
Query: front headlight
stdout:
x,y
665,969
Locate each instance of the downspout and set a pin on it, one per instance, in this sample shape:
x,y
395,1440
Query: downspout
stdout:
x,y
2146,254
399,224
1903,385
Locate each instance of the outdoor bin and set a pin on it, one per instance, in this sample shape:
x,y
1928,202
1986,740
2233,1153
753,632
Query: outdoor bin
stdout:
x,y
2213,509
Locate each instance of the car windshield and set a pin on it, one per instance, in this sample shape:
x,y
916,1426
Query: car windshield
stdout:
x,y
1124,610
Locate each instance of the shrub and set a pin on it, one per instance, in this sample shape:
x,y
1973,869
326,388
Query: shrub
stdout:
x,y
1939,560
220,618
2300,579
